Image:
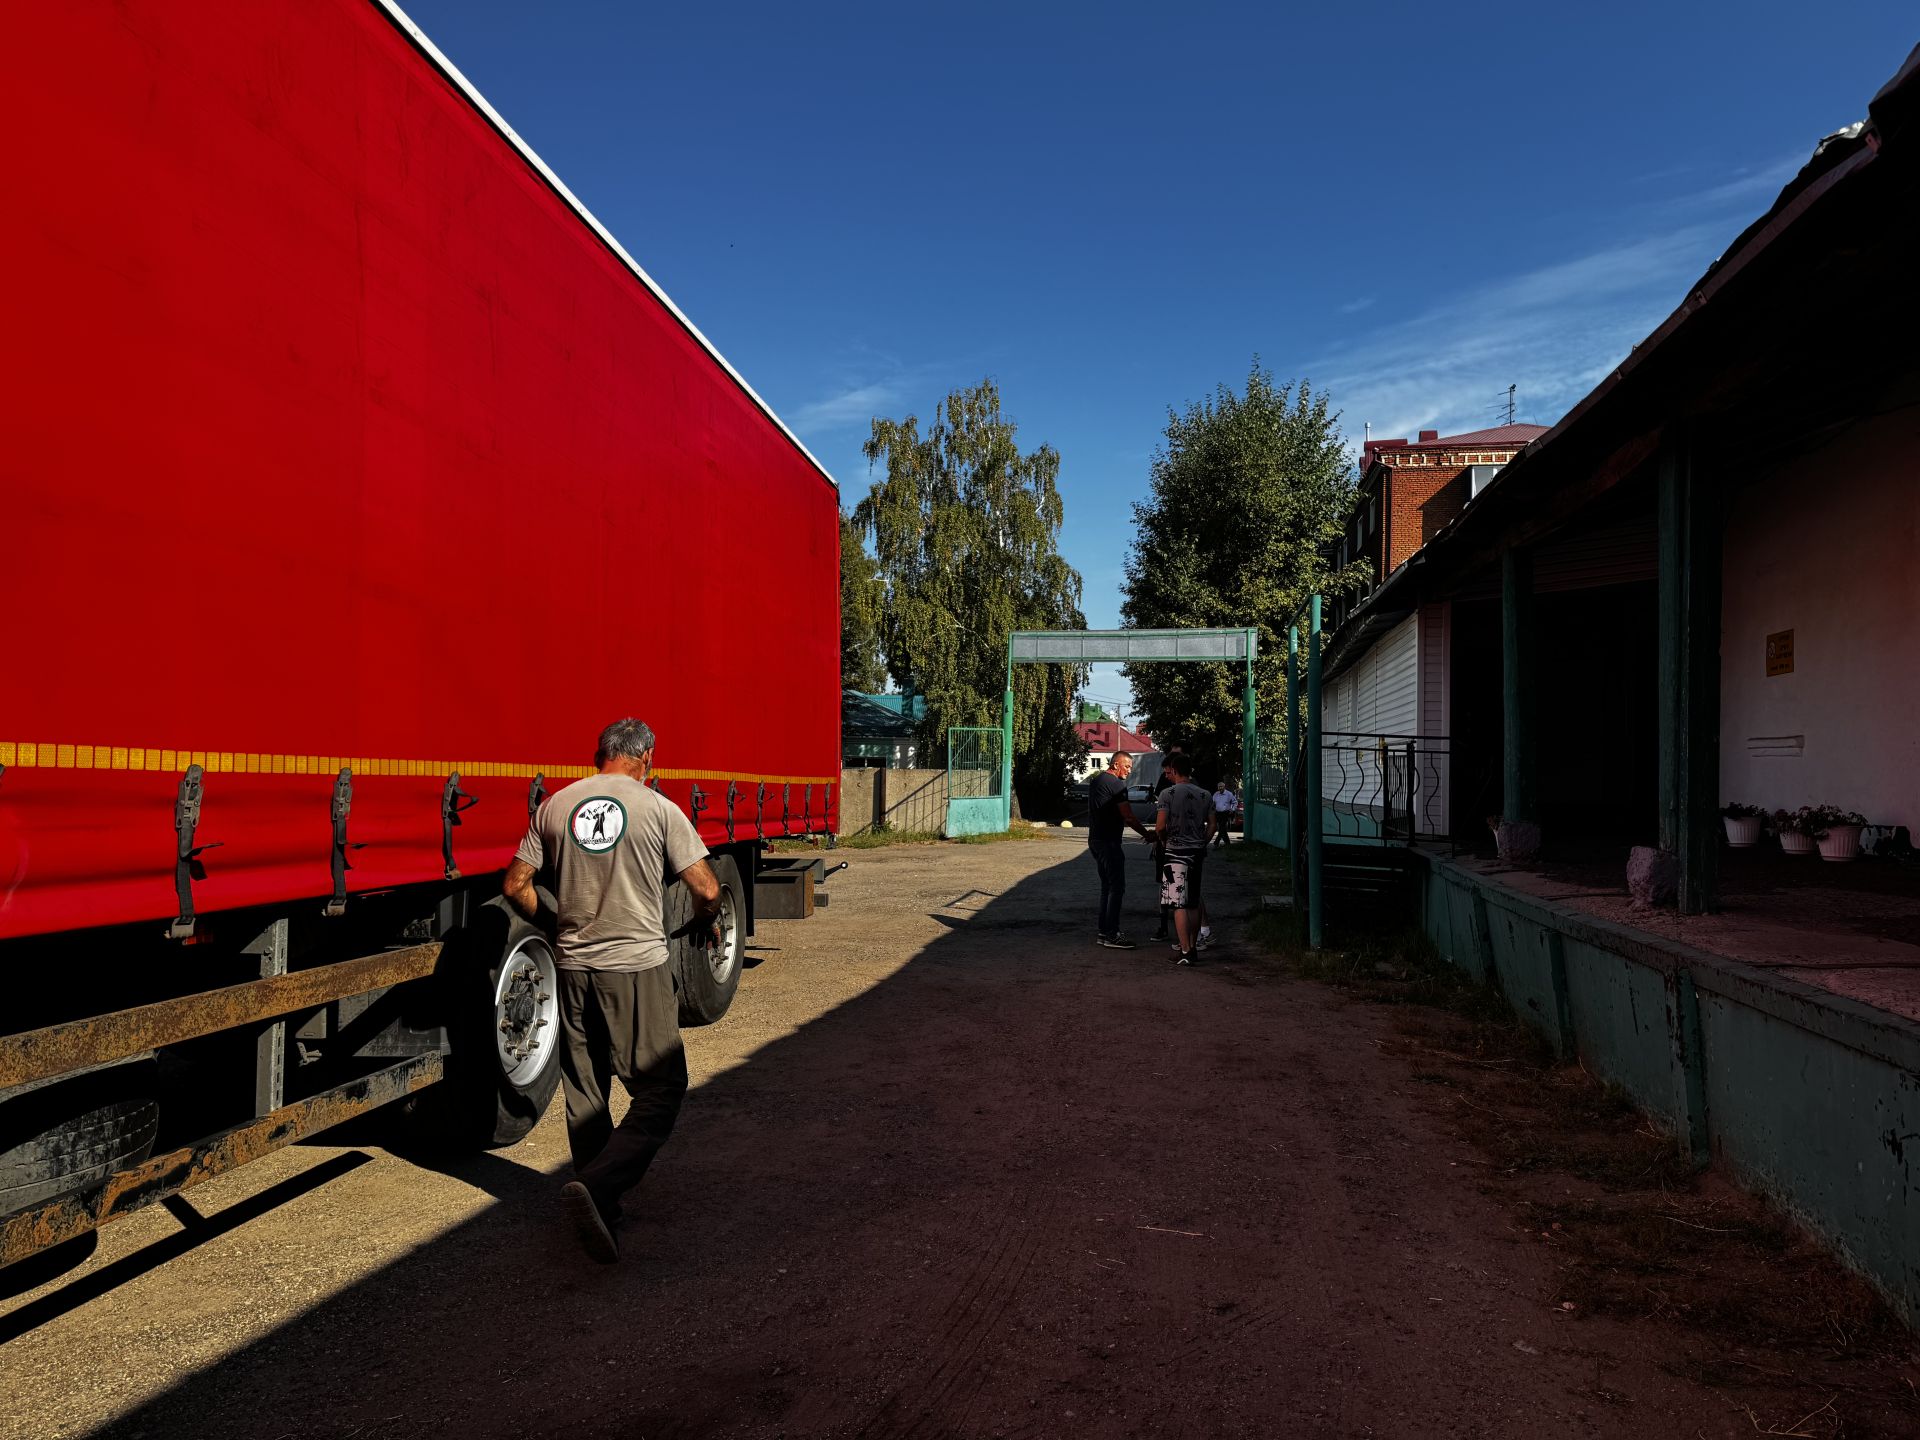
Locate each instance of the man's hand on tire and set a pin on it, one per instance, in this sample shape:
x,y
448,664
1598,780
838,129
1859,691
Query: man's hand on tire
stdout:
x,y
702,932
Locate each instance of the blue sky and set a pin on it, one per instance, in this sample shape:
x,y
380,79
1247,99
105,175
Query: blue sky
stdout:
x,y
1111,209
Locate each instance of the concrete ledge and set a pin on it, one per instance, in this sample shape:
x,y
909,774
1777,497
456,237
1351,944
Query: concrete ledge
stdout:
x,y
1811,1097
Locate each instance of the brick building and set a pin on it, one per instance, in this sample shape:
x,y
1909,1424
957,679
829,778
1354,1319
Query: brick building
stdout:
x,y
1410,490
1387,687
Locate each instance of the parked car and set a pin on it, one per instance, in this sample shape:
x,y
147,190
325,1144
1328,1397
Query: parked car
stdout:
x,y
1145,776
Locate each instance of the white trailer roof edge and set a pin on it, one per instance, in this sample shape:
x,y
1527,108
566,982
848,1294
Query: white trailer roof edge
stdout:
x,y
414,33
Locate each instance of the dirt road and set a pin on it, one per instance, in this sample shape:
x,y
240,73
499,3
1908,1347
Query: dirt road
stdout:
x,y
948,1170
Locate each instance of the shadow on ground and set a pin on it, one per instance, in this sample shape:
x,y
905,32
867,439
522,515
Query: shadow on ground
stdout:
x,y
1020,1186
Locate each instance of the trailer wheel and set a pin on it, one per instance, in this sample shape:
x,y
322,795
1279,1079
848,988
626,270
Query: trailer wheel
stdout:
x,y
505,1031
709,978
69,1136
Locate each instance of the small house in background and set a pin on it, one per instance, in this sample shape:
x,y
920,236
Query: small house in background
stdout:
x,y
878,732
1104,740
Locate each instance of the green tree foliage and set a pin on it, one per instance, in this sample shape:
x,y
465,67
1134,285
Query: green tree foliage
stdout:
x,y
861,594
1246,493
1088,710
966,532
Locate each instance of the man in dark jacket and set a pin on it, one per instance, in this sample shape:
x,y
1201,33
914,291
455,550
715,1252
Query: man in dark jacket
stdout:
x,y
1108,815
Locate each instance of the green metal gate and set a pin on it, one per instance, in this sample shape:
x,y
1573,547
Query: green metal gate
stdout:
x,y
977,799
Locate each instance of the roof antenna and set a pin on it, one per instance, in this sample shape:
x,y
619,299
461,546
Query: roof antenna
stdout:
x,y
1511,389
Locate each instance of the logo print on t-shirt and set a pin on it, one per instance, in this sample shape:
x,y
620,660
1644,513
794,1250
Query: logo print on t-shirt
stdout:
x,y
597,824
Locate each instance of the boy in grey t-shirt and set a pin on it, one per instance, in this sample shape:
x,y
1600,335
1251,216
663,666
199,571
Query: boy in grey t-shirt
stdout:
x,y
1185,826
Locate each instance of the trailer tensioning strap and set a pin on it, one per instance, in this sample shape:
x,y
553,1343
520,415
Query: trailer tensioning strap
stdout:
x,y
450,808
186,863
342,807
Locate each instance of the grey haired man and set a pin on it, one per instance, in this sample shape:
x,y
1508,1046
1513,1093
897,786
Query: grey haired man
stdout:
x,y
612,846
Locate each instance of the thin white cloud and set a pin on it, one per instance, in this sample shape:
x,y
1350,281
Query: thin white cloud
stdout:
x,y
855,404
1354,307
1554,331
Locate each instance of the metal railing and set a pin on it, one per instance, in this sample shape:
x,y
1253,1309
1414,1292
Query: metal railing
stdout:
x,y
1388,788
1373,787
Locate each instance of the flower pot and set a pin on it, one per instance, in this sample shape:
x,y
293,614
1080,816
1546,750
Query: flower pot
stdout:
x,y
1841,843
1742,833
1794,843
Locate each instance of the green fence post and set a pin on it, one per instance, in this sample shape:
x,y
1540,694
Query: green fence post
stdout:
x,y
1295,795
1006,741
1316,921
1249,743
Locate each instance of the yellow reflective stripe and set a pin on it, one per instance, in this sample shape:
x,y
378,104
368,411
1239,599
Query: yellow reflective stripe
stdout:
x,y
49,755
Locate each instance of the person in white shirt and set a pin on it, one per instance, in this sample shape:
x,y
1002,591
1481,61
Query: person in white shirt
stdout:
x,y
1225,803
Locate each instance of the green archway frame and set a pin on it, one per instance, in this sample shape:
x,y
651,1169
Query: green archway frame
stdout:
x,y
1087,647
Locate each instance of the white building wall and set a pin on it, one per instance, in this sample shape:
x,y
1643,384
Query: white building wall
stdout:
x,y
1377,695
1826,547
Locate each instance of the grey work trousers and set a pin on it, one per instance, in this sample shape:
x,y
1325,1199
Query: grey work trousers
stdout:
x,y
625,1023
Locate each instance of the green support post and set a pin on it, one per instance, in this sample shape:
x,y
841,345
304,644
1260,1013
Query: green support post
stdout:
x,y
1294,807
1249,740
1006,739
1316,927
1519,797
1690,543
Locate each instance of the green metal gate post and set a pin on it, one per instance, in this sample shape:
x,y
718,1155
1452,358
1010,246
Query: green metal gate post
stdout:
x,y
1316,927
1006,737
1249,746
1294,807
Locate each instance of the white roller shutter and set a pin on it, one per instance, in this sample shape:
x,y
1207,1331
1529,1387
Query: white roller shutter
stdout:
x,y
1394,669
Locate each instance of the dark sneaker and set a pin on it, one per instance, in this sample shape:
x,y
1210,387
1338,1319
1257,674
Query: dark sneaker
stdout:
x,y
1185,957
1116,942
596,1236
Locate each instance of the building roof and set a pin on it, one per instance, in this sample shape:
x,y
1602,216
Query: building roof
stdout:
x,y
1107,738
878,717
1500,437
897,703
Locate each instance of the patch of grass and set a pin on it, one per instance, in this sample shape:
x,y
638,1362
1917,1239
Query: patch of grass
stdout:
x,y
1269,862
1396,966
1021,831
880,839
884,839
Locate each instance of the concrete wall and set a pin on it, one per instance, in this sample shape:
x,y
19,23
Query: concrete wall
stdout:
x,y
1267,823
1826,547
1813,1099
899,799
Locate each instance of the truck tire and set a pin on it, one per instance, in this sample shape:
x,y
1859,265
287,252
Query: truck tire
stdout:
x,y
502,996
68,1137
709,978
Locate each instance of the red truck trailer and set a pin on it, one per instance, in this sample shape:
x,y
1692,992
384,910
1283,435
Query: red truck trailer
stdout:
x,y
353,477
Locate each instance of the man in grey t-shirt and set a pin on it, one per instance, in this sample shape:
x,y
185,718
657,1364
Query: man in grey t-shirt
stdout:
x,y
1185,826
612,847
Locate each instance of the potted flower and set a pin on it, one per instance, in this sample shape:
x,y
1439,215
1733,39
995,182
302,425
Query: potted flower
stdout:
x,y
1743,824
1836,831
1795,829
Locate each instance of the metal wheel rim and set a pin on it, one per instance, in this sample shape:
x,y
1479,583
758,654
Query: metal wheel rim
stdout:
x,y
726,955
526,1011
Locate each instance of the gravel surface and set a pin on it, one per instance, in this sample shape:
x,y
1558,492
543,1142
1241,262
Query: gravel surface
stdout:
x,y
948,1169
